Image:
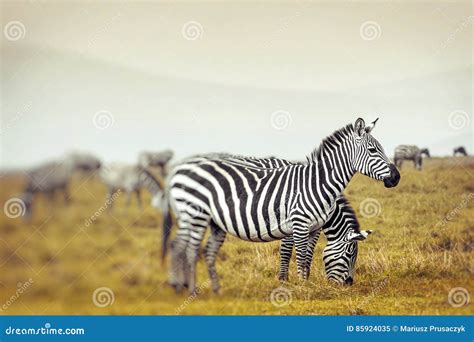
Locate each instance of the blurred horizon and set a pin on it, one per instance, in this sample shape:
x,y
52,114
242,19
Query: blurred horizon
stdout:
x,y
259,79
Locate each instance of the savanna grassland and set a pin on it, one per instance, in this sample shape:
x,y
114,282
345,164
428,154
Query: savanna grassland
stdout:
x,y
421,248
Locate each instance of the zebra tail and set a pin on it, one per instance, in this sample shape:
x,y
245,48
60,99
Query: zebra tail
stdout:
x,y
167,226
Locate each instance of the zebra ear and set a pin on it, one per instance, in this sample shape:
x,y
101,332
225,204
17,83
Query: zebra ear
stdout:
x,y
358,236
370,127
359,127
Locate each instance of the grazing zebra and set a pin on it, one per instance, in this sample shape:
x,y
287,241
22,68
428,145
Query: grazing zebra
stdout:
x,y
410,152
54,177
157,159
131,179
83,161
460,150
263,204
342,231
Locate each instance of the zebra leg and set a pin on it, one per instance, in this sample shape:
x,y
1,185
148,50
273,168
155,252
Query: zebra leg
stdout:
x,y
139,200
66,194
178,258
312,241
129,198
214,243
192,251
286,250
301,237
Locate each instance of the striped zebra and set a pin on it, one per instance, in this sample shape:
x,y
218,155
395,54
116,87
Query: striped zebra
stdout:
x,y
130,179
52,178
410,152
264,204
342,232
156,159
460,150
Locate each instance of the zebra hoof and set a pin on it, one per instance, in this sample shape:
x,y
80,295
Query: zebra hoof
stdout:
x,y
283,277
216,289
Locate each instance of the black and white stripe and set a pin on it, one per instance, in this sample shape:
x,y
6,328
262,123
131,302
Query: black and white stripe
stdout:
x,y
260,203
412,153
342,232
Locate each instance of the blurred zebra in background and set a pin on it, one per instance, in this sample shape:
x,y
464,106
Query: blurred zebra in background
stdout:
x,y
156,159
54,177
131,179
410,152
83,162
460,150
342,232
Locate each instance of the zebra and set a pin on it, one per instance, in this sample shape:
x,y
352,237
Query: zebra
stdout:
x,y
410,152
156,159
460,150
131,179
54,177
83,162
263,204
342,231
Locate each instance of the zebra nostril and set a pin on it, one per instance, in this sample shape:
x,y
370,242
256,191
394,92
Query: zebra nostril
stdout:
x,y
349,281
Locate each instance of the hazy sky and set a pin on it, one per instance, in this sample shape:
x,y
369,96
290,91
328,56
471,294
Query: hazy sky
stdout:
x,y
253,78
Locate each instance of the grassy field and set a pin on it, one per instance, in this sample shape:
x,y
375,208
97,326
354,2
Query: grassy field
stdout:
x,y
421,249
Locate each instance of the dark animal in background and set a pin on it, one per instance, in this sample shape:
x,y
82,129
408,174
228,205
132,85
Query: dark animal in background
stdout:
x,y
412,153
460,150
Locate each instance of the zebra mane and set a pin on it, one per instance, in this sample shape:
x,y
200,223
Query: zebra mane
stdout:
x,y
335,137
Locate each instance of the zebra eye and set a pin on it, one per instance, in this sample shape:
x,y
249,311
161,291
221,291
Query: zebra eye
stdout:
x,y
372,150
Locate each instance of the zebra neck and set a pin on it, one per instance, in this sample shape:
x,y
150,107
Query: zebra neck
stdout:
x,y
334,167
149,182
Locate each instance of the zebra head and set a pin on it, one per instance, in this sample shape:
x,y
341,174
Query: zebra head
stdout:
x,y
426,152
340,257
370,158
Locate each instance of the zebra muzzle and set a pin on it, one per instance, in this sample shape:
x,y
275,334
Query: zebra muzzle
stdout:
x,y
392,180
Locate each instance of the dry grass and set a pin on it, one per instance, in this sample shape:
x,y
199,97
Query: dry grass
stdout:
x,y
408,266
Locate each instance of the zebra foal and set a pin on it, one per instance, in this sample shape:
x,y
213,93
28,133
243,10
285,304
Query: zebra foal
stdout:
x,y
342,232
263,204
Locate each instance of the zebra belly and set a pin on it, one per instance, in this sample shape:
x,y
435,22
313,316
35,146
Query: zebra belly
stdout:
x,y
264,230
